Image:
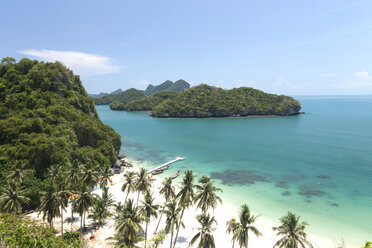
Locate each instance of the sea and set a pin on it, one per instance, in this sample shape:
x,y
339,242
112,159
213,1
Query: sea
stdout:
x,y
317,165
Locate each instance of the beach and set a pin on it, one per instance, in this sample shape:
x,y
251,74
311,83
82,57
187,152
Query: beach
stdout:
x,y
222,214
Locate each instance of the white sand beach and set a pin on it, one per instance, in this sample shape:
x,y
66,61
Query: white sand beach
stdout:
x,y
222,214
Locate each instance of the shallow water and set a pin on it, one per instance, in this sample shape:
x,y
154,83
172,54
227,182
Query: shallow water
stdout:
x,y
318,165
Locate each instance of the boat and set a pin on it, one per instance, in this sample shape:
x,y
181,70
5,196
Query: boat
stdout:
x,y
175,175
157,172
164,168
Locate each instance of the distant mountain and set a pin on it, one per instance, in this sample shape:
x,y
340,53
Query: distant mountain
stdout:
x,y
118,91
168,85
98,95
123,97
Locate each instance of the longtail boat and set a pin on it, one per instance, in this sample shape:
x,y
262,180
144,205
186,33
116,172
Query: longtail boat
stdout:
x,y
175,175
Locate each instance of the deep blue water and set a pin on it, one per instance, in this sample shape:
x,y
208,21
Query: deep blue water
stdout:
x,y
318,164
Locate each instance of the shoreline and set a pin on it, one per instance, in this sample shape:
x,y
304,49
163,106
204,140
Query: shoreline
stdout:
x,y
222,239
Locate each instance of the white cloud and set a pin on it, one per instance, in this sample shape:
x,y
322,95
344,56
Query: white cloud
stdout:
x,y
329,74
80,63
363,76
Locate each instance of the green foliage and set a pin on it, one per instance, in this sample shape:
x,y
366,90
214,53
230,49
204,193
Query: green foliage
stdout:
x,y
168,85
18,231
47,118
145,103
123,97
208,101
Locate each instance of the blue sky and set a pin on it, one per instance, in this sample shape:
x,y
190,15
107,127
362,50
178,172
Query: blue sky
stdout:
x,y
292,47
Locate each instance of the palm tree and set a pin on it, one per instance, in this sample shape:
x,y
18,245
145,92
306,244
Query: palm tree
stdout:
x,y
105,176
128,225
142,184
293,231
169,193
53,172
367,245
185,196
90,177
245,224
12,198
204,234
101,207
83,203
232,225
149,209
172,213
64,194
73,178
20,172
51,204
206,195
130,183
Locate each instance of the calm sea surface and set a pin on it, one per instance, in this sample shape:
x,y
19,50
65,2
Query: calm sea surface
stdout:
x,y
318,165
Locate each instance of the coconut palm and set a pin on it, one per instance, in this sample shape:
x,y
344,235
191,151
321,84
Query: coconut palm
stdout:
x,y
149,210
244,226
169,193
73,178
185,196
143,183
206,196
12,198
105,176
293,232
130,183
101,207
232,225
51,204
53,172
90,176
19,172
83,203
367,245
128,225
173,218
205,232
64,193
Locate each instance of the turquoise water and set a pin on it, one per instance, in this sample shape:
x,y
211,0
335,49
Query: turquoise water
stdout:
x,y
318,165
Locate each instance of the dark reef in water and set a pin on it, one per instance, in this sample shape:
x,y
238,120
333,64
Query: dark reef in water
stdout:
x,y
286,193
322,176
238,177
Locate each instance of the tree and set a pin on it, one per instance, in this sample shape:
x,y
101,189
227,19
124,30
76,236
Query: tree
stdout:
x,y
8,60
51,201
149,210
101,207
367,245
90,177
185,196
173,219
206,195
20,172
73,177
12,198
205,232
105,176
142,184
83,203
232,225
128,225
245,224
169,193
293,232
130,183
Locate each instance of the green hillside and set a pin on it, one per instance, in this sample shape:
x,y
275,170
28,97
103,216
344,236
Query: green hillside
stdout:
x,y
168,85
208,101
123,97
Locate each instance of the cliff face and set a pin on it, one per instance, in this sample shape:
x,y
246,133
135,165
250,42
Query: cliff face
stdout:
x,y
206,101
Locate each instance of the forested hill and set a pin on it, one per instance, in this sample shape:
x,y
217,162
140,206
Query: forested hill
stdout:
x,y
208,101
48,120
168,85
123,97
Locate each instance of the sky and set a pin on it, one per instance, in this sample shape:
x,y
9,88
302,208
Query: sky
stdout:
x,y
295,47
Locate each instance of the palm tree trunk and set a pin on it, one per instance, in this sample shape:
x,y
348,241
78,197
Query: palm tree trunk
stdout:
x,y
233,243
126,197
62,221
178,228
158,223
81,224
137,198
171,238
146,234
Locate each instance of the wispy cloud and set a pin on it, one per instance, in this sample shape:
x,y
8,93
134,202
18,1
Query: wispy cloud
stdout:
x,y
346,7
80,63
329,74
